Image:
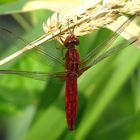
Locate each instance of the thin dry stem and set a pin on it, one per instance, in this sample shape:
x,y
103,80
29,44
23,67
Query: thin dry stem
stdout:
x,y
84,20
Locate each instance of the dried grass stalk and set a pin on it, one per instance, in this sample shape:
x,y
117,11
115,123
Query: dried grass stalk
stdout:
x,y
84,20
90,17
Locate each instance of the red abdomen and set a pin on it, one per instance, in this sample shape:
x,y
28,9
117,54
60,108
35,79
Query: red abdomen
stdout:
x,y
72,66
71,101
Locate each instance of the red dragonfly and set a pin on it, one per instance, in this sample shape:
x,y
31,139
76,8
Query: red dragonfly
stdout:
x,y
75,67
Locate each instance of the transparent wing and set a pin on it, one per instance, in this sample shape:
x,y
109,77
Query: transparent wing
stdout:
x,y
106,44
43,76
7,37
108,53
50,55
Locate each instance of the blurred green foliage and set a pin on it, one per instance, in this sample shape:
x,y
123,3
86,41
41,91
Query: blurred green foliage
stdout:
x,y
7,1
109,99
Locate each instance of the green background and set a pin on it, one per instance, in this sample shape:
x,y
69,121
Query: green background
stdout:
x,y
109,92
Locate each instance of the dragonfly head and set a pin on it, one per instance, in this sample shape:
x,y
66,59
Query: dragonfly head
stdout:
x,y
71,40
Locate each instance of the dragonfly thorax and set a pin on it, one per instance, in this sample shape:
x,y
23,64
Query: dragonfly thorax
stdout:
x,y
71,40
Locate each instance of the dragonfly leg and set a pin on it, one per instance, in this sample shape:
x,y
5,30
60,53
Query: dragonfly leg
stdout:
x,y
70,31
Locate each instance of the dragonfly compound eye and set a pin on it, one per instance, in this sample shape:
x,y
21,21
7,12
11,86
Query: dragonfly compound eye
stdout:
x,y
71,40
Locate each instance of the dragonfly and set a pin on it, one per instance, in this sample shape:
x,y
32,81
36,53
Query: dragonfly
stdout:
x,y
75,67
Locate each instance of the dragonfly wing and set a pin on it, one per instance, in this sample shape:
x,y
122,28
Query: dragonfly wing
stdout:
x,y
8,37
43,76
109,52
107,43
47,54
